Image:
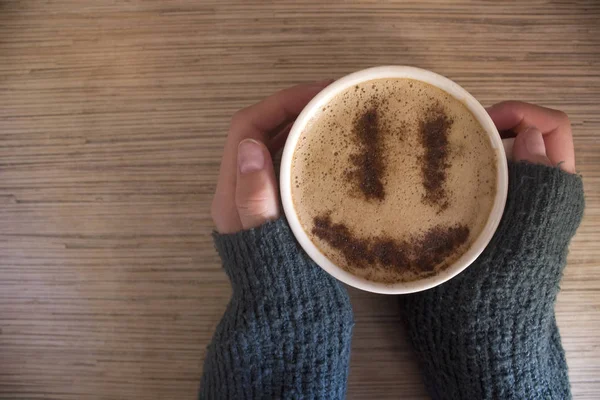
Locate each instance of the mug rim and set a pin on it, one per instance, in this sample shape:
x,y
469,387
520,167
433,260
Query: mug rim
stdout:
x,y
434,79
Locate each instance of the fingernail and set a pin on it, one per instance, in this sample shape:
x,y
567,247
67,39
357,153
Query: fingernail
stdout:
x,y
534,142
250,156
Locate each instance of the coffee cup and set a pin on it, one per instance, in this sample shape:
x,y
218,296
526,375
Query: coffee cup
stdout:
x,y
500,147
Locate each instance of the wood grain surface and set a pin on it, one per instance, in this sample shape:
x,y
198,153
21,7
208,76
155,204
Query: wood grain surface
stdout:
x,y
113,115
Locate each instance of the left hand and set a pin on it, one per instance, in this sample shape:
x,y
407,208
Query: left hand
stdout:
x,y
247,194
543,135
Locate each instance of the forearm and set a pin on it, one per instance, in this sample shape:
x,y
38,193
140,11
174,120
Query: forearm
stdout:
x,y
490,332
286,332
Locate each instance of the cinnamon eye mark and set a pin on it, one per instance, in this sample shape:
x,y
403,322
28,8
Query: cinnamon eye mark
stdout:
x,y
368,163
433,136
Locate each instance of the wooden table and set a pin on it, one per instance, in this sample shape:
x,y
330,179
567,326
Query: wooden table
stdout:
x,y
112,119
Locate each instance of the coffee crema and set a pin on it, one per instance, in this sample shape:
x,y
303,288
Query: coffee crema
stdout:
x,y
393,179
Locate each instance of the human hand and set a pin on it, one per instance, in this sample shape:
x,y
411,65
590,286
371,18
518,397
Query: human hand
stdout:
x,y
543,135
247,194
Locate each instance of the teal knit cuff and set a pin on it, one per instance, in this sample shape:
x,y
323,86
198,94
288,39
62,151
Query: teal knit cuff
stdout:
x,y
286,332
490,332
544,207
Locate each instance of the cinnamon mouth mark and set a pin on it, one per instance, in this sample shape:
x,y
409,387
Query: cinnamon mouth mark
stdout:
x,y
433,137
420,253
369,163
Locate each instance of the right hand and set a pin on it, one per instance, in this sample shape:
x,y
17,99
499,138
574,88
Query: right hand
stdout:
x,y
543,135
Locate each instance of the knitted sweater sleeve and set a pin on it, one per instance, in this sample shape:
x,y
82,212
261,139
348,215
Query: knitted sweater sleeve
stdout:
x,y
491,332
286,331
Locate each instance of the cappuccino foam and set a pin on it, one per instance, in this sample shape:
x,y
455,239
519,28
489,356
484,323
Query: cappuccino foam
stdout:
x,y
393,179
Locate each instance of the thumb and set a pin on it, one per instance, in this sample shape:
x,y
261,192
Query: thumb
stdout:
x,y
529,146
256,195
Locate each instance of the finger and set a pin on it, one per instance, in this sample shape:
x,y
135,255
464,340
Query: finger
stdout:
x,y
278,140
529,146
517,116
509,115
255,122
275,110
256,188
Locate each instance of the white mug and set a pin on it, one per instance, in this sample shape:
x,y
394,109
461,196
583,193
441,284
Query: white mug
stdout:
x,y
322,99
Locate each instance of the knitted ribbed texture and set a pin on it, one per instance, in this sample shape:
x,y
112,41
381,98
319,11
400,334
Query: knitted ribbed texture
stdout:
x,y
490,333
286,332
